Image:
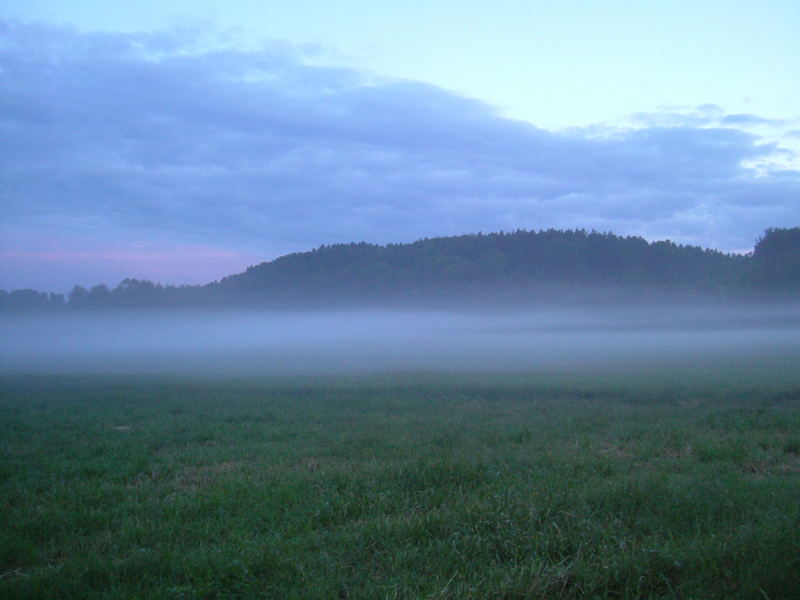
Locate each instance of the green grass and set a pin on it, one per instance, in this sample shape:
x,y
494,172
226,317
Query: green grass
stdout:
x,y
668,484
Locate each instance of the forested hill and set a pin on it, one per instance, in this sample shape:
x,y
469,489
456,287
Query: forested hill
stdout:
x,y
519,267
547,263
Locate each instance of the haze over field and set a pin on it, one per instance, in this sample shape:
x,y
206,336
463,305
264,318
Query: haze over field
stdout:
x,y
277,343
187,143
313,299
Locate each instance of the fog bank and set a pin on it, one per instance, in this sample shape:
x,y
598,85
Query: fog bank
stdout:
x,y
273,343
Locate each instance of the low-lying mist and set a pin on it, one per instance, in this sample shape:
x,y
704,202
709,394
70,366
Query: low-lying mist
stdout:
x,y
242,343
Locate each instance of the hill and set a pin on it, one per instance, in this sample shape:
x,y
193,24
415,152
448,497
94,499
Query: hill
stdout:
x,y
521,267
515,266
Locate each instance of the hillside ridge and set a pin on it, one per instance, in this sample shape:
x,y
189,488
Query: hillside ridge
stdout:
x,y
518,267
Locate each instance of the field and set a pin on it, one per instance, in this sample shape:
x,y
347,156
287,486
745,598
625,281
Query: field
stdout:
x,y
682,482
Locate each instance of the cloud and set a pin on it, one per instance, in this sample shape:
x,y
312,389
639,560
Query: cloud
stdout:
x,y
748,119
184,139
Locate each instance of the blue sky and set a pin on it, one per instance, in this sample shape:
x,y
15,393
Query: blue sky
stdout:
x,y
185,141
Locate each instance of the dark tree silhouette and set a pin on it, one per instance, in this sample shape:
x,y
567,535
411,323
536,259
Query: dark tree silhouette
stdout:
x,y
522,267
776,258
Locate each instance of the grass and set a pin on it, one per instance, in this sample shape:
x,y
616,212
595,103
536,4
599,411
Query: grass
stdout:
x,y
665,484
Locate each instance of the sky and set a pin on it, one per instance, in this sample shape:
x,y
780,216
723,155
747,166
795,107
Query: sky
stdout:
x,y
182,142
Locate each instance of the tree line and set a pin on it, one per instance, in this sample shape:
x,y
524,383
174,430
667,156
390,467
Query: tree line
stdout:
x,y
523,265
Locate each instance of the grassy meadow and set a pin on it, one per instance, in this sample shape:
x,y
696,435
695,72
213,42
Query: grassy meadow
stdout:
x,y
682,482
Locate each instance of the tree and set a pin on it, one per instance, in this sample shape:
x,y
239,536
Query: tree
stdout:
x,y
78,297
100,296
776,258
26,300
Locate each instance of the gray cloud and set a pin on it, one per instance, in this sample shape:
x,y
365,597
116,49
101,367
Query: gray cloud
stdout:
x,y
184,137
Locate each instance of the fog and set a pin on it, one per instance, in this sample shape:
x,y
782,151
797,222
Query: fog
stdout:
x,y
241,343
